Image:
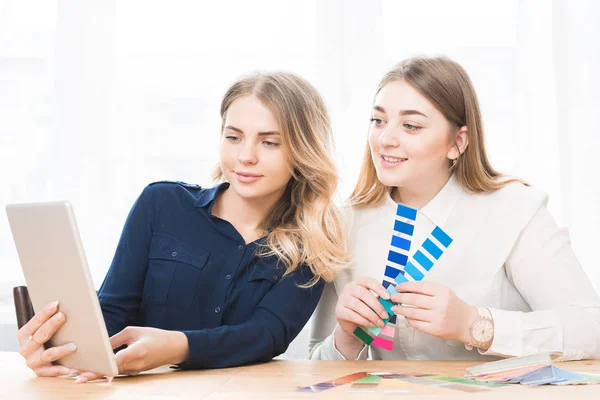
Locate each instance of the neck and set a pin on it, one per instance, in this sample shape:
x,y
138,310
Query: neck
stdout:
x,y
246,215
418,196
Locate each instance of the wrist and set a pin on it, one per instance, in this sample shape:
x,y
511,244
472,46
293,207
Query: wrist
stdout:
x,y
179,349
347,345
481,330
465,334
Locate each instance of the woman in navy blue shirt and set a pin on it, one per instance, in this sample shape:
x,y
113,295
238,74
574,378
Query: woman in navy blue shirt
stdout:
x,y
229,275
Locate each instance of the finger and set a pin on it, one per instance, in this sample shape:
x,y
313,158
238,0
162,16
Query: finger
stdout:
x,y
38,319
55,353
52,370
88,377
135,367
355,318
366,297
131,360
363,310
416,300
43,334
373,285
125,357
414,313
422,326
421,287
121,338
49,328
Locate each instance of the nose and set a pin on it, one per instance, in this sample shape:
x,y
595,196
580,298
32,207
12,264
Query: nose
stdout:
x,y
247,154
389,137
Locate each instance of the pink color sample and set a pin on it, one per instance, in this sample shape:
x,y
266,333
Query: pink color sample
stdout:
x,y
387,331
382,343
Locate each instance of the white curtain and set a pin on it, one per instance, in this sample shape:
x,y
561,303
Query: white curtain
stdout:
x,y
97,99
535,66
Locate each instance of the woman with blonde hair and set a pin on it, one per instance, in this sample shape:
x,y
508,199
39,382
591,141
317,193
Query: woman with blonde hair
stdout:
x,y
229,275
459,255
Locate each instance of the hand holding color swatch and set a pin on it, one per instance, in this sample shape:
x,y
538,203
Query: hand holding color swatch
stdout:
x,y
399,269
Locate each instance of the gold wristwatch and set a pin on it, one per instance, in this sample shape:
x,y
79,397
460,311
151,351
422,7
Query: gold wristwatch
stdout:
x,y
481,330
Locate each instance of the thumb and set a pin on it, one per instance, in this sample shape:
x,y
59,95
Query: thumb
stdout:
x,y
125,358
126,336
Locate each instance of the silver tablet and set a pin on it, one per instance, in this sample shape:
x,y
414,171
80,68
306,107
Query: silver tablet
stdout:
x,y
55,268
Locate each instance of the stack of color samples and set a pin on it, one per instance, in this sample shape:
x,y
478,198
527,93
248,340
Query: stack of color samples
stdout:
x,y
530,370
399,269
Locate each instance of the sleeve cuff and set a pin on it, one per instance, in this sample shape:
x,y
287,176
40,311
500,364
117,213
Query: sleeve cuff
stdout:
x,y
327,350
198,350
362,355
508,334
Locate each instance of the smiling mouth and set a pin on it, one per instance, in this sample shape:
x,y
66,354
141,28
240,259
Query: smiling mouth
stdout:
x,y
393,159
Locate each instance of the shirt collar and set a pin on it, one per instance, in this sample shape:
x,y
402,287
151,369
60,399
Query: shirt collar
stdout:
x,y
439,208
207,196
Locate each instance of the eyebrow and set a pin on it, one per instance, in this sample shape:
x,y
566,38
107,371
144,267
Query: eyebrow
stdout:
x,y
402,112
266,133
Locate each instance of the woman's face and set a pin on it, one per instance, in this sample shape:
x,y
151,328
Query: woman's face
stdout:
x,y
252,154
409,138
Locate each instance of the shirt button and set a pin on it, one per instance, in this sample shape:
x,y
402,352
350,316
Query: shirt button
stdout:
x,y
217,310
240,247
174,254
228,276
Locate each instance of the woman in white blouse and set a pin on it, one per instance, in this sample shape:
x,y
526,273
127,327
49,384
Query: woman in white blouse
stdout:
x,y
481,264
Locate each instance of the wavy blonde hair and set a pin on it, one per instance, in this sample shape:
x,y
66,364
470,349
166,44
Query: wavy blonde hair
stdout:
x,y
305,226
448,87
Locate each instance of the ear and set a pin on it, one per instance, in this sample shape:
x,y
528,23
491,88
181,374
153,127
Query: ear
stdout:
x,y
461,141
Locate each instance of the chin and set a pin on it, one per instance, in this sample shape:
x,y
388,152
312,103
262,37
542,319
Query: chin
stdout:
x,y
390,179
247,192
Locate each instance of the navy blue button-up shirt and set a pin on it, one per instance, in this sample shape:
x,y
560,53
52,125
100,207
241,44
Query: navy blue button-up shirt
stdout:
x,y
179,268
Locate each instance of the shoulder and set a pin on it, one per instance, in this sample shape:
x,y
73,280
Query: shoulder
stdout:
x,y
169,191
172,185
359,217
166,187
515,196
510,207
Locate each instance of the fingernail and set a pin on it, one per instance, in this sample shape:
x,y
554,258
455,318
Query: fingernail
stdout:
x,y
71,347
110,379
387,296
80,380
55,304
384,315
380,323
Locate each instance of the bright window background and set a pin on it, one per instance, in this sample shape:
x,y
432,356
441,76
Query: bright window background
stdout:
x,y
97,99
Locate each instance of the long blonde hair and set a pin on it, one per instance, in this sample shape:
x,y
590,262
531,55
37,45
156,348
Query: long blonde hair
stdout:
x,y
448,87
304,226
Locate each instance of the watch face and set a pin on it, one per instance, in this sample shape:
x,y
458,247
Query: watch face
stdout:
x,y
483,331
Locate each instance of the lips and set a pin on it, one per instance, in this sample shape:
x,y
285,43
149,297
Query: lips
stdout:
x,y
247,177
247,174
392,160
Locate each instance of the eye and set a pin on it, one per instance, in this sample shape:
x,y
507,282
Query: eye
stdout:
x,y
412,127
377,121
232,138
270,144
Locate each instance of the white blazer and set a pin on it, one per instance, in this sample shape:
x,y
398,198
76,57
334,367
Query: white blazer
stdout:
x,y
507,254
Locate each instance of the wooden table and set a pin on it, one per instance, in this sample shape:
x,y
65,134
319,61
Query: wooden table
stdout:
x,y
277,379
